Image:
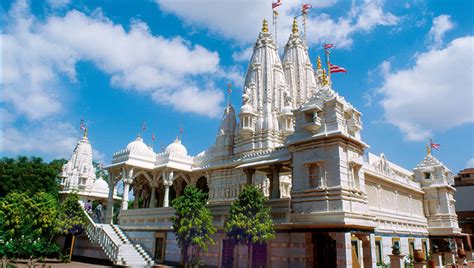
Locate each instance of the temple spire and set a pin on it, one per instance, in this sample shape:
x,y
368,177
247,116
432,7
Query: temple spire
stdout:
x,y
265,26
294,28
325,78
319,64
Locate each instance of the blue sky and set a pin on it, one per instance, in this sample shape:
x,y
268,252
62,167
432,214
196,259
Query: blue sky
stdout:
x,y
167,62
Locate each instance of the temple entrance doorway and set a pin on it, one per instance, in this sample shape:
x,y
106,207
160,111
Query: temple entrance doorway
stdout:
x,y
324,250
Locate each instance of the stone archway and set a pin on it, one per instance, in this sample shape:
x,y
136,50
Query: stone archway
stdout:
x,y
141,192
179,183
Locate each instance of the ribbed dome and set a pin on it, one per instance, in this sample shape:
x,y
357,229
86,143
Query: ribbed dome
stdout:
x,y
139,147
176,148
100,186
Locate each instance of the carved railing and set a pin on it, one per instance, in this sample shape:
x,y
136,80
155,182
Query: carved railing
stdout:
x,y
97,234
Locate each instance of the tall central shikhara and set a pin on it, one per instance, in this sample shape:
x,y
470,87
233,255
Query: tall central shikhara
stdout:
x,y
272,89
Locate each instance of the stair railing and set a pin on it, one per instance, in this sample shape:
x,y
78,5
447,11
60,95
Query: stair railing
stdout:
x,y
97,234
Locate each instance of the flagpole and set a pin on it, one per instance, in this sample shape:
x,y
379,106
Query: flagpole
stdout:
x,y
275,17
328,65
229,90
304,27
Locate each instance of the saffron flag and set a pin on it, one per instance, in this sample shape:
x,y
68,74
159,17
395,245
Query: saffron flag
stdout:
x,y
435,146
276,4
229,88
305,7
83,125
328,46
336,69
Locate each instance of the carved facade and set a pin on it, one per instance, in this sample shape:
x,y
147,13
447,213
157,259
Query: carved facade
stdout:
x,y
299,141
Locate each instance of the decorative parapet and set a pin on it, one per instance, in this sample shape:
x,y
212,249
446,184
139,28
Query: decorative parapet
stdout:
x,y
147,218
380,167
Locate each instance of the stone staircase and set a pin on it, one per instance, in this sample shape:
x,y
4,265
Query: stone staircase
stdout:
x,y
116,245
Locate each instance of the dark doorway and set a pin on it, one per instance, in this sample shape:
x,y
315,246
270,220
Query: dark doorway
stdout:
x,y
324,250
259,256
201,184
227,254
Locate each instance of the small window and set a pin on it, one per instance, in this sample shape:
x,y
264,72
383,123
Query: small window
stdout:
x,y
160,247
427,175
314,175
425,247
411,243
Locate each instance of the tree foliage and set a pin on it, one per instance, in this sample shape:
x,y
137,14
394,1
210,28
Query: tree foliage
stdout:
x,y
71,219
29,175
249,221
192,223
28,225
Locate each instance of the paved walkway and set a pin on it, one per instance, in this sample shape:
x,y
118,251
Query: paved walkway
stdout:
x,y
73,264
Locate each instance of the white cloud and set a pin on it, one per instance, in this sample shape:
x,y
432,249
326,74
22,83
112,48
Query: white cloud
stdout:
x,y
58,3
51,138
191,99
38,54
362,17
433,95
470,163
243,55
39,60
441,25
99,157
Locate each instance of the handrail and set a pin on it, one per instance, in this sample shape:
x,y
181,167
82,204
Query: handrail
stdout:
x,y
97,234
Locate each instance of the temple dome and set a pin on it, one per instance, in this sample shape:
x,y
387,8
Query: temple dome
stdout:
x,y
139,147
176,148
100,186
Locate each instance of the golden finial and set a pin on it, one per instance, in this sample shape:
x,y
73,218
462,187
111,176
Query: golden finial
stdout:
x,y
319,64
428,150
294,29
265,26
85,133
325,78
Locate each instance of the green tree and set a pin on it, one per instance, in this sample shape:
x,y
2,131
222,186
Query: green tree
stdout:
x,y
99,171
30,175
192,223
249,220
28,225
71,218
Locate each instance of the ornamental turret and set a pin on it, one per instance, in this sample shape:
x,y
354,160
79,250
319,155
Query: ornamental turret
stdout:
x,y
439,204
298,70
225,136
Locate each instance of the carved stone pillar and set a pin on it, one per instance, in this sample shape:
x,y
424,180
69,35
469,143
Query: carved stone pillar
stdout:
x,y
249,172
167,182
110,200
153,187
137,189
275,181
127,180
